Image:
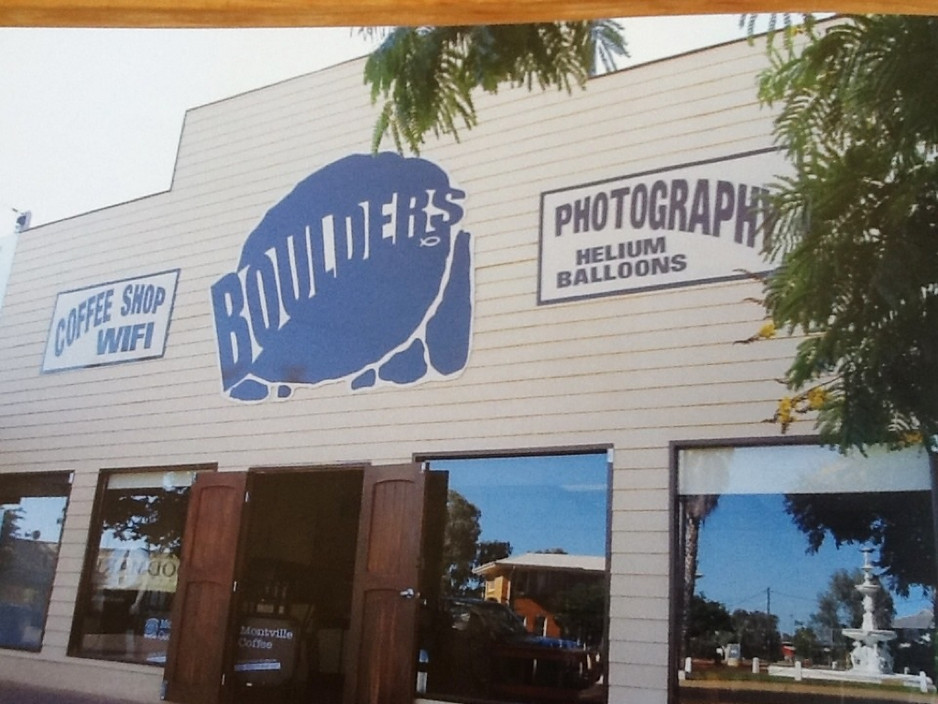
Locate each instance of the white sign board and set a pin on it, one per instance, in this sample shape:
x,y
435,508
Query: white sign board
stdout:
x,y
120,321
684,225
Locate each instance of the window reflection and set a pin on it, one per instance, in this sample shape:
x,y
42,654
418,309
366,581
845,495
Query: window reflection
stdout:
x,y
32,510
126,613
517,609
805,571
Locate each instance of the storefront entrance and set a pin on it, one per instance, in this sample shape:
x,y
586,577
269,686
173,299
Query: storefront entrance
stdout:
x,y
282,572
295,605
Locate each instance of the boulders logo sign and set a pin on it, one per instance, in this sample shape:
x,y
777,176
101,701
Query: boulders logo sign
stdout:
x,y
359,275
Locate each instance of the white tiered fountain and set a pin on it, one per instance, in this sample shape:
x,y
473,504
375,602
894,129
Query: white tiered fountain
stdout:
x,y
870,659
870,655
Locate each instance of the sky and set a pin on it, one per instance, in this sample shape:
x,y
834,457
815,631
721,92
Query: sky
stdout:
x,y
92,117
537,503
752,556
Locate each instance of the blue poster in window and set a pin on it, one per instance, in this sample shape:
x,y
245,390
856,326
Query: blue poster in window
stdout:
x,y
360,274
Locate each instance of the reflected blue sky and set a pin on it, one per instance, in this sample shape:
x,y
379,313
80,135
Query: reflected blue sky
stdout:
x,y
39,513
537,503
751,555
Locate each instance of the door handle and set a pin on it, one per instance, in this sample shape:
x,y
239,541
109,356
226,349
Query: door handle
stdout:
x,y
408,593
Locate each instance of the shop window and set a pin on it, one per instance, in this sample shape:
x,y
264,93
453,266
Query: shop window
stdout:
x,y
32,510
516,590
130,575
803,570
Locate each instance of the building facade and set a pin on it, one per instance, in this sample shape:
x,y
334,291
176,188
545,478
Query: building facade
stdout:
x,y
238,406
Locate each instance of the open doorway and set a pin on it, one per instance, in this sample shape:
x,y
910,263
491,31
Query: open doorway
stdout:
x,y
324,568
295,604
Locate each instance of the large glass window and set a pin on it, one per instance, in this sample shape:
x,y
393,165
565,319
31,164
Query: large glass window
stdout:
x,y
515,601
804,571
124,613
32,511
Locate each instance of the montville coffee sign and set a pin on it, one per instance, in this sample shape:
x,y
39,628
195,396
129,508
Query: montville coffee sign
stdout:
x,y
360,274
690,224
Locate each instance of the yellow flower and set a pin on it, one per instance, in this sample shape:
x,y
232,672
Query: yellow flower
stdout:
x,y
784,410
816,397
766,331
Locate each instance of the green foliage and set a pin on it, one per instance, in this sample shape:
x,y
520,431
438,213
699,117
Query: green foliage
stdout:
x,y
460,545
707,617
807,645
758,634
841,606
789,28
855,229
709,627
897,523
427,75
156,518
580,612
9,530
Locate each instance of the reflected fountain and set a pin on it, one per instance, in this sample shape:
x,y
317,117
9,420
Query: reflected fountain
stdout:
x,y
870,659
870,654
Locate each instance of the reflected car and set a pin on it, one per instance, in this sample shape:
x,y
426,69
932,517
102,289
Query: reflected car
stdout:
x,y
482,649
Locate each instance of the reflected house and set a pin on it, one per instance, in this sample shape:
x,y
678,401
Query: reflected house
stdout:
x,y
914,626
534,585
914,649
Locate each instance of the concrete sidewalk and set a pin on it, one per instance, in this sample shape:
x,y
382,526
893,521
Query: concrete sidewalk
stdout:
x,y
11,693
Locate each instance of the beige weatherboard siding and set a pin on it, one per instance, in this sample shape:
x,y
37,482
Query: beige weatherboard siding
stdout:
x,y
633,371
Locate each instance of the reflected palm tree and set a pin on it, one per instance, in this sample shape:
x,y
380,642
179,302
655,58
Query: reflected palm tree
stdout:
x,y
696,509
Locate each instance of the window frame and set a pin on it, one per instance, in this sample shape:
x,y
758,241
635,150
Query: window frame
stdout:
x,y
428,458
67,476
676,562
92,547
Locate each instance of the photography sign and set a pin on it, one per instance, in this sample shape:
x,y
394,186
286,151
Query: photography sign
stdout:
x,y
688,224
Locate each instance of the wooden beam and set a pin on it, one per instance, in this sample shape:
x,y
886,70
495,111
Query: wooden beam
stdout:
x,y
321,13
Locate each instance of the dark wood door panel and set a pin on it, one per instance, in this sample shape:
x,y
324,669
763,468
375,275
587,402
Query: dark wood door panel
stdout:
x,y
380,666
199,645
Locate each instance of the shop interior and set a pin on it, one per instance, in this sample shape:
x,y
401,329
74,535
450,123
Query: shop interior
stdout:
x,y
294,606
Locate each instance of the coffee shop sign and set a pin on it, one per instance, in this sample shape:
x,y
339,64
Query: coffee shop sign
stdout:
x,y
118,321
690,224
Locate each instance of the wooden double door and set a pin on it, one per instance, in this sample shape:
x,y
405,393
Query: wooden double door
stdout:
x,y
379,646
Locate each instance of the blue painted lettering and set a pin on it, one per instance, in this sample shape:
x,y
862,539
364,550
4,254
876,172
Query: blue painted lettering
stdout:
x,y
110,340
142,298
339,275
93,311
231,327
60,337
124,338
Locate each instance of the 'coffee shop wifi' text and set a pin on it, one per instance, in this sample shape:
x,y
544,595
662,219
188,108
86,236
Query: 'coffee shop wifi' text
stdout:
x,y
118,321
